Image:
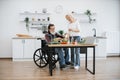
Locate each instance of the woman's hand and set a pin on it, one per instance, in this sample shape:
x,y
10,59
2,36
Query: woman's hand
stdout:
x,y
70,29
66,36
74,30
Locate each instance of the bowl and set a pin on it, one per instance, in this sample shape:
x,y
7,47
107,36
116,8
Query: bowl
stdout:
x,y
63,42
82,41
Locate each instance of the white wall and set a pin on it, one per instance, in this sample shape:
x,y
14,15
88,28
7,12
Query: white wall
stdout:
x,y
108,17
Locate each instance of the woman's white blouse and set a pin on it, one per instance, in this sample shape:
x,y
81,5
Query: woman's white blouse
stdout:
x,y
74,25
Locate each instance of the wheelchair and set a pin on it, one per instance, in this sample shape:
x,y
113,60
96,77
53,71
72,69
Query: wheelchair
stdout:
x,y
40,55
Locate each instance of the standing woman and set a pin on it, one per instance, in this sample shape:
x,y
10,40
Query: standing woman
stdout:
x,y
74,32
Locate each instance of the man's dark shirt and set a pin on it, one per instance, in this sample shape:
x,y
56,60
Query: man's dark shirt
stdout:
x,y
49,37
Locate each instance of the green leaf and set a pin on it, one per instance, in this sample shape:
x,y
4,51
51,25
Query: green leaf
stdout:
x,y
61,32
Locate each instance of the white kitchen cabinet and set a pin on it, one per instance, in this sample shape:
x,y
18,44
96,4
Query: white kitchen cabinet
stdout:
x,y
113,43
17,48
29,48
37,43
23,49
101,48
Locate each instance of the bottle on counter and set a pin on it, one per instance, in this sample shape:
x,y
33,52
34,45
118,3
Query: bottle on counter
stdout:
x,y
48,18
75,42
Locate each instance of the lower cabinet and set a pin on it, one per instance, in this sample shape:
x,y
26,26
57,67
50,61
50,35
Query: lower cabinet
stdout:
x,y
100,50
23,49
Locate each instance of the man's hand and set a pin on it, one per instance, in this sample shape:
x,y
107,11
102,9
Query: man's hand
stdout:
x,y
57,39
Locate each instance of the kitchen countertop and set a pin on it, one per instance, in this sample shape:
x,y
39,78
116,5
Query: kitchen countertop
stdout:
x,y
27,38
100,37
97,37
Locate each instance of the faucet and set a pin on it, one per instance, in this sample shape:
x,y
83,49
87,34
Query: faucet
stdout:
x,y
94,32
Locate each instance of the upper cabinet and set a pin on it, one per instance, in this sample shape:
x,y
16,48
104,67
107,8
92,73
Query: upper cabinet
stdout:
x,y
35,20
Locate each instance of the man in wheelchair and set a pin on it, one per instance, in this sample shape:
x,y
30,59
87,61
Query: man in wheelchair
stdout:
x,y
52,35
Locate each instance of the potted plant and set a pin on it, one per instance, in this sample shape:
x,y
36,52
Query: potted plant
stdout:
x,y
88,13
27,23
61,32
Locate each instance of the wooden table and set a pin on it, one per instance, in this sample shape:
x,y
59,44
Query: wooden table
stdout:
x,y
50,46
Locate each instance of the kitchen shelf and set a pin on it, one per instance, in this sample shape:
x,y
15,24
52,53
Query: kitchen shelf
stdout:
x,y
42,22
36,20
35,16
78,14
40,27
29,13
83,18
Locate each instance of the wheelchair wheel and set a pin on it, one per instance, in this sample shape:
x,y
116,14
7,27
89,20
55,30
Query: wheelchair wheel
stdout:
x,y
40,58
54,55
54,58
